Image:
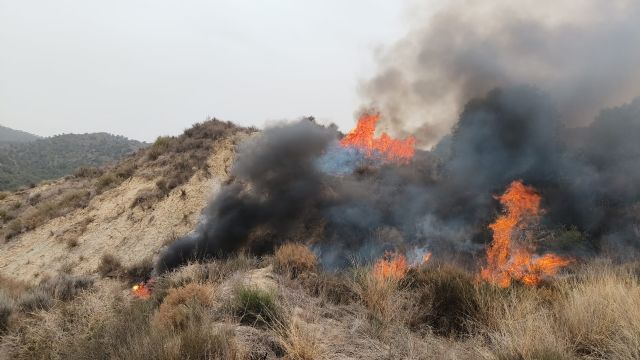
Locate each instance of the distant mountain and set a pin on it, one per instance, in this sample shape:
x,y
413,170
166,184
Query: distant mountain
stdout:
x,y
15,136
25,163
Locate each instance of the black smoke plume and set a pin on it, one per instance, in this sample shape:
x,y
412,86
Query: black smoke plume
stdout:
x,y
295,183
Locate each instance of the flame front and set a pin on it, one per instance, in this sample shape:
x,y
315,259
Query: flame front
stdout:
x,y
507,261
362,137
393,266
141,291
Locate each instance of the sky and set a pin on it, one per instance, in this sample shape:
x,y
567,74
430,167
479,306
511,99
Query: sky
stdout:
x,y
148,68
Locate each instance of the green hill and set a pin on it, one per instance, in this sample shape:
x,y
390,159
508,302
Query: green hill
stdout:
x,y
8,135
25,163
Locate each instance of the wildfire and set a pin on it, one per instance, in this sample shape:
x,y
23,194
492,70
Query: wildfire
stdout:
x,y
394,266
362,137
507,261
141,290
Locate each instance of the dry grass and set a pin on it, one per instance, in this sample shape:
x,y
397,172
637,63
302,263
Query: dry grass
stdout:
x,y
447,299
110,266
294,259
300,341
434,312
601,314
381,297
6,310
182,306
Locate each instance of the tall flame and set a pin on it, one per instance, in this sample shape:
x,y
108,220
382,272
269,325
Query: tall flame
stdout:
x,y
362,137
507,261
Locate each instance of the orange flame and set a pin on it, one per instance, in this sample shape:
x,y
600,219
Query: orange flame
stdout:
x,y
141,291
505,260
392,265
362,137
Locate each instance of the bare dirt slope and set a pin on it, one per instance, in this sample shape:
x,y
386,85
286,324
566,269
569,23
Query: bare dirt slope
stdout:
x,y
109,223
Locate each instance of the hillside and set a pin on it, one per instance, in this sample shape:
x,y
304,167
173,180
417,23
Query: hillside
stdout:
x,y
74,247
8,135
26,163
137,204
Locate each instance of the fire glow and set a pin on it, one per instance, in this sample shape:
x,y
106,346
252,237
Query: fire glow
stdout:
x,y
141,291
506,260
393,266
392,150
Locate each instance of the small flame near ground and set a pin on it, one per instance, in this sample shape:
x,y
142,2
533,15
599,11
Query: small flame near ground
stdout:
x,y
393,150
506,260
393,266
142,290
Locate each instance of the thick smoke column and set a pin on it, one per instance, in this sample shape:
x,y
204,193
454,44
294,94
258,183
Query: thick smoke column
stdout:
x,y
275,185
498,92
583,53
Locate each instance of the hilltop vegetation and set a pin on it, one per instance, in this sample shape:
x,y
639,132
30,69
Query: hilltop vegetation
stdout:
x,y
26,163
8,135
167,164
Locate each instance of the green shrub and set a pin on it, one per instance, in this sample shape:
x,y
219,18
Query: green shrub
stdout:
x,y
159,147
255,306
88,172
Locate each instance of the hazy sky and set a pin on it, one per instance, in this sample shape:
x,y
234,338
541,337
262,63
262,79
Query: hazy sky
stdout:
x,y
147,68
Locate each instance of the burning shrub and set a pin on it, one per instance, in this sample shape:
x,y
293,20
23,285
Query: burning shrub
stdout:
x,y
255,306
447,299
294,259
109,266
182,305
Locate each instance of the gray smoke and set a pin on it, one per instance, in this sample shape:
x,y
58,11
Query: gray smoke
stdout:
x,y
582,53
526,87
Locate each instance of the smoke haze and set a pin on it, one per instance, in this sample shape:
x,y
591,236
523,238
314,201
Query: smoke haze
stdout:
x,y
583,53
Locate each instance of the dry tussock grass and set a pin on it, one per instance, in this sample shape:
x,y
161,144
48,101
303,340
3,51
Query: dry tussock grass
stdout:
x,y
294,259
300,341
601,313
182,305
381,297
593,314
